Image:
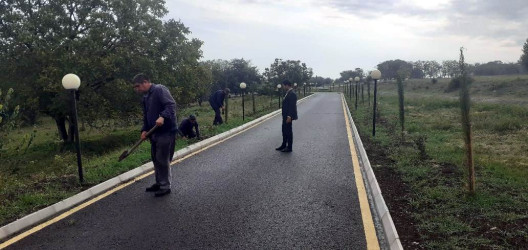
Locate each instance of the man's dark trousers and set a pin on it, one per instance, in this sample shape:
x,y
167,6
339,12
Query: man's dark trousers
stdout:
x,y
287,133
218,116
162,151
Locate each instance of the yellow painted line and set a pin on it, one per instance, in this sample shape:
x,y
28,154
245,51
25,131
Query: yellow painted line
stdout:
x,y
69,212
368,223
117,188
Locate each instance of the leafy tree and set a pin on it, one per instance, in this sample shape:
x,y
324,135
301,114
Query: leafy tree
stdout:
x,y
218,69
391,69
293,70
524,57
231,73
321,81
450,68
432,69
417,71
347,74
497,68
105,42
241,70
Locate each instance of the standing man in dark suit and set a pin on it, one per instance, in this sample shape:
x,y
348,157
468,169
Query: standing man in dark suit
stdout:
x,y
289,113
217,102
159,109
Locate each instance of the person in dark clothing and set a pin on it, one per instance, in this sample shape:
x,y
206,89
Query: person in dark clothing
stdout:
x,y
217,102
186,128
289,113
158,110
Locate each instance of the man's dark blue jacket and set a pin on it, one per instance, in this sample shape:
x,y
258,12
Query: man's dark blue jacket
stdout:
x,y
186,127
289,105
159,102
217,99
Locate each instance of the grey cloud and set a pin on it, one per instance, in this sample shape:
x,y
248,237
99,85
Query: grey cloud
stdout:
x,y
513,10
374,8
489,18
483,18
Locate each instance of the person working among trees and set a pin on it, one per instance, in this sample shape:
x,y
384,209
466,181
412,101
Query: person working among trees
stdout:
x,y
158,110
217,102
186,128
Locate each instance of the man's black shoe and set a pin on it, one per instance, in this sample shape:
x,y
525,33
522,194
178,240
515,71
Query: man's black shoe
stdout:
x,y
280,148
162,192
153,188
286,150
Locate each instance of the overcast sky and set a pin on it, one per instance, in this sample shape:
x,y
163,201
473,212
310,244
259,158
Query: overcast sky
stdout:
x,y
331,36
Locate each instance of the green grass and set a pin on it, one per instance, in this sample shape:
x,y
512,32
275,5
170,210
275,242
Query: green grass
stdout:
x,y
43,174
447,216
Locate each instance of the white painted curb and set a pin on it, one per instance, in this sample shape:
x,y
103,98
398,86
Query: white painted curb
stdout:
x,y
61,206
380,208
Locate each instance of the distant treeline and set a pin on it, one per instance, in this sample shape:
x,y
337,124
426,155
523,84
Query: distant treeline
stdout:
x,y
393,69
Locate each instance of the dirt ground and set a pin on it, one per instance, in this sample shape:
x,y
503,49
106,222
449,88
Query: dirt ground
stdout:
x,y
396,195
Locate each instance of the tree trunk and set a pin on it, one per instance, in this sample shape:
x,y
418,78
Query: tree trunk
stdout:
x,y
71,130
61,127
65,135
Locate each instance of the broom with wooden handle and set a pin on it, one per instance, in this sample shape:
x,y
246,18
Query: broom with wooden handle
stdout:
x,y
126,153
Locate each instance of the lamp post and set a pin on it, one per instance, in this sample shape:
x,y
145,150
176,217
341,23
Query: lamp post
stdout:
x,y
243,87
362,92
349,89
253,100
72,82
278,91
376,75
356,79
350,80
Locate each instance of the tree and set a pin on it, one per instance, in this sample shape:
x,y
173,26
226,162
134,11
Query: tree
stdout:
x,y
241,70
321,81
450,68
347,74
392,68
401,104
497,68
465,104
293,70
524,57
417,71
432,69
218,69
231,73
105,42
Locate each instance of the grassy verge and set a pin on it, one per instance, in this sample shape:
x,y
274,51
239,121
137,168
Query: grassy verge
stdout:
x,y
430,155
35,177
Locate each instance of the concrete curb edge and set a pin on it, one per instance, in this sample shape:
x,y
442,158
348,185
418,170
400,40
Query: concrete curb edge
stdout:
x,y
380,208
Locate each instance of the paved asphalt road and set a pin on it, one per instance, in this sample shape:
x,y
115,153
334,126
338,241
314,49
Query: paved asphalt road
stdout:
x,y
238,194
